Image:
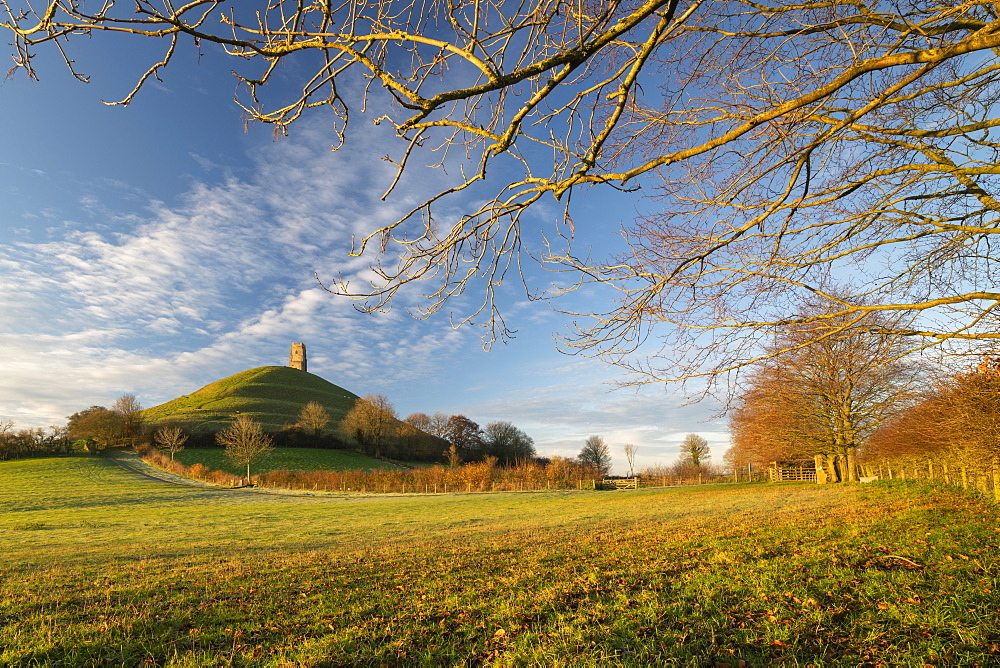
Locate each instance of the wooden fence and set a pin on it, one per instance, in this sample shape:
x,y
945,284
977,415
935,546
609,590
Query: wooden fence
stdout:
x,y
617,483
984,478
642,482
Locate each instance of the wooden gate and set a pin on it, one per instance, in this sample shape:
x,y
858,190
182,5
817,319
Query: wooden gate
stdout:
x,y
792,471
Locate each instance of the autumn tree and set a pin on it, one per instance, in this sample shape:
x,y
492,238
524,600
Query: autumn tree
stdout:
x,y
596,454
98,427
421,421
453,456
245,441
956,422
313,417
464,434
507,443
825,395
695,450
372,423
170,438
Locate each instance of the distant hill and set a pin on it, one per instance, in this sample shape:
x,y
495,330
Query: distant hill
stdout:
x,y
272,395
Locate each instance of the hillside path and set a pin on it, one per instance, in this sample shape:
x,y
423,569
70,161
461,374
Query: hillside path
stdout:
x,y
134,464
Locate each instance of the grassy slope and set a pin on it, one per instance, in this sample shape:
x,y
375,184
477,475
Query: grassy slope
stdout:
x,y
291,459
272,395
102,569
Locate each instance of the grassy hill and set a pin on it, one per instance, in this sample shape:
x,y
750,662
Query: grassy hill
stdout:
x,y
272,395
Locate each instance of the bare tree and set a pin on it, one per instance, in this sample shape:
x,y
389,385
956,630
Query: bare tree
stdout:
x,y
245,442
630,451
313,417
507,443
438,425
596,454
790,141
130,410
171,439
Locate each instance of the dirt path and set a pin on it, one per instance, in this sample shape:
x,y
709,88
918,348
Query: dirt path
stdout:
x,y
133,463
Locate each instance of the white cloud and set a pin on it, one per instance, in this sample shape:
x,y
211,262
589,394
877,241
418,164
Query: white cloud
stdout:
x,y
161,302
163,299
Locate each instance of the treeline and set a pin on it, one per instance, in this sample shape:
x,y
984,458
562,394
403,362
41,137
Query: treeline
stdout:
x,y
370,427
952,433
820,391
16,443
372,424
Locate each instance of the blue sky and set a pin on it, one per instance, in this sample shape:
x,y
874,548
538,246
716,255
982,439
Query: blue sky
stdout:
x,y
157,248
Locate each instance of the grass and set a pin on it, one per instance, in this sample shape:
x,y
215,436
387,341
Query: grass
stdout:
x,y
272,395
124,571
291,459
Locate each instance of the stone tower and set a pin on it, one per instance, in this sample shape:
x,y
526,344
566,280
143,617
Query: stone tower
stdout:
x,y
297,360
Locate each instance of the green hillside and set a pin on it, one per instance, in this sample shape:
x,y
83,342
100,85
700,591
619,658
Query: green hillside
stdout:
x,y
272,395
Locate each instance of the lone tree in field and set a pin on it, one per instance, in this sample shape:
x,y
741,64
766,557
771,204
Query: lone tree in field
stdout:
x,y
170,439
313,417
595,453
630,451
130,410
245,442
695,450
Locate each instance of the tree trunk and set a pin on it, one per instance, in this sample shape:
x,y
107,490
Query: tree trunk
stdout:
x,y
852,465
836,468
996,481
821,477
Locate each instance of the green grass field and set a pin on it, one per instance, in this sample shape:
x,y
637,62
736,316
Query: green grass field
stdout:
x,y
271,395
103,568
291,459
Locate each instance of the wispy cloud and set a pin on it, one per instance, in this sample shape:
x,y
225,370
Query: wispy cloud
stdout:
x,y
124,293
174,296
